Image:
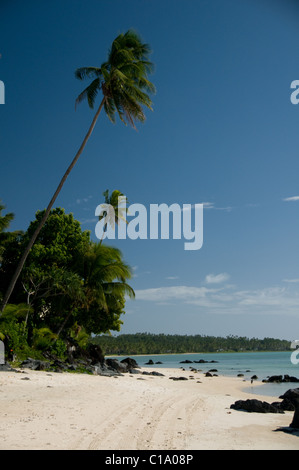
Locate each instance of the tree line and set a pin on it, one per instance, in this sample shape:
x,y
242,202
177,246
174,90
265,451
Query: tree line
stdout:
x,y
147,343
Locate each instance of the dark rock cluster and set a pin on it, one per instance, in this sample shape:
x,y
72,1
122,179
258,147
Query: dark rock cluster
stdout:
x,y
290,402
95,364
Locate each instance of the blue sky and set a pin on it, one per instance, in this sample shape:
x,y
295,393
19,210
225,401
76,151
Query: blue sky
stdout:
x,y
223,132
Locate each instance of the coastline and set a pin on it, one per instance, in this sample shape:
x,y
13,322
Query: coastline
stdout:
x,y
65,411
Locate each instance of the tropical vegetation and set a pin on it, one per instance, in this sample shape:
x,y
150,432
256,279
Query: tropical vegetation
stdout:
x,y
69,287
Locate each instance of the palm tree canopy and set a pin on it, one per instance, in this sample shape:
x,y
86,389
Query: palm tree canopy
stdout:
x,y
123,80
105,275
112,211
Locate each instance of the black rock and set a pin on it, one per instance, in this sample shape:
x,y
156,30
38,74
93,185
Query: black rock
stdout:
x,y
178,378
132,364
284,405
275,379
102,369
255,406
186,362
134,371
7,368
293,396
287,378
116,365
145,372
150,362
35,364
95,354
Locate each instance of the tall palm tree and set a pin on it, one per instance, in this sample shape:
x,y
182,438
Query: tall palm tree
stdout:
x,y
123,82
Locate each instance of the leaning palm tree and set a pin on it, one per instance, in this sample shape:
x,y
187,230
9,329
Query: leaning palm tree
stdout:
x,y
123,82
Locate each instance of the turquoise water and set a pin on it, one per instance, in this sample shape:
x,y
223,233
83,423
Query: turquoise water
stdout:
x,y
261,364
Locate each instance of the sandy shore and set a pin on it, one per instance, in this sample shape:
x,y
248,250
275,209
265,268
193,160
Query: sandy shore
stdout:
x,y
41,410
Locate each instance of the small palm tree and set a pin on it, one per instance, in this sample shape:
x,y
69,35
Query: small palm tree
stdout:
x,y
105,276
112,211
123,82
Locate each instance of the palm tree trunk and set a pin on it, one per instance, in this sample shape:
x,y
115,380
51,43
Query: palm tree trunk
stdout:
x,y
64,323
47,212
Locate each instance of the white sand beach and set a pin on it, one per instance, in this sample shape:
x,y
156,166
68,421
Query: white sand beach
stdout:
x,y
41,410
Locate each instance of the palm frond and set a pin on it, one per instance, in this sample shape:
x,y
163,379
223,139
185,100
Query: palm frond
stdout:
x,y
88,72
90,93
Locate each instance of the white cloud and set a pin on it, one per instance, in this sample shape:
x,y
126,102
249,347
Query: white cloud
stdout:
x,y
84,199
226,299
217,279
162,294
291,280
293,198
208,205
211,205
88,221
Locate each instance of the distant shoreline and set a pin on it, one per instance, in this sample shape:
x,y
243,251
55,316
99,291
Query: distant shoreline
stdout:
x,y
187,353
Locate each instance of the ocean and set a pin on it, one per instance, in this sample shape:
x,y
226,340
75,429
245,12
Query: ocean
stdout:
x,y
261,364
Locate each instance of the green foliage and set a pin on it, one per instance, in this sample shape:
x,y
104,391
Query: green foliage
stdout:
x,y
69,286
79,334
58,348
13,331
43,338
146,343
60,243
5,236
